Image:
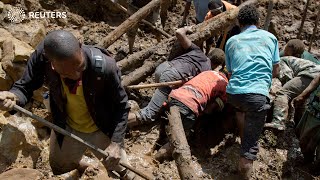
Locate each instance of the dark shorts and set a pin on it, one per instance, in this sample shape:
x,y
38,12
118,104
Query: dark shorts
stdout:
x,y
255,107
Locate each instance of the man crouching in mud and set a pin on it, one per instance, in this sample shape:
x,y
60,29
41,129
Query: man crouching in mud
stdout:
x,y
86,99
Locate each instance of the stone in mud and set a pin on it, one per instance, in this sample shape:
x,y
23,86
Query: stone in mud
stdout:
x,y
14,70
19,143
5,80
8,51
22,173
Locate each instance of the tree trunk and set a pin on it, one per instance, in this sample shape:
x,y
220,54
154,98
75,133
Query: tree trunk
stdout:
x,y
303,19
130,22
269,15
181,152
170,48
315,28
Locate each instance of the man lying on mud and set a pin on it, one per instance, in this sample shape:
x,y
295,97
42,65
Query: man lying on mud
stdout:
x,y
203,94
187,65
86,99
295,75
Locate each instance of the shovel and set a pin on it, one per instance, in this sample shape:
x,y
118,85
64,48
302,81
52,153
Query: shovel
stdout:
x,y
66,133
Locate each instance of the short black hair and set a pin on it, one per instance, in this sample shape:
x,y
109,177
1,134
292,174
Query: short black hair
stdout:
x,y
213,4
216,56
60,44
248,15
296,46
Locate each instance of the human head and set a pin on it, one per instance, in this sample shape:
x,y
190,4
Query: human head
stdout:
x,y
294,47
248,15
216,57
64,52
215,6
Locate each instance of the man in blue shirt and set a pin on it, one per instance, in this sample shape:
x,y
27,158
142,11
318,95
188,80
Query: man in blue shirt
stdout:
x,y
252,59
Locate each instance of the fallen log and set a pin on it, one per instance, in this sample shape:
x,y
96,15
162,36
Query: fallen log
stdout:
x,y
130,22
141,73
207,29
181,152
171,49
123,9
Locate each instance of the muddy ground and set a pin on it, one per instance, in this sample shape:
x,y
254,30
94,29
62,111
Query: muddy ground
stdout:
x,y
215,155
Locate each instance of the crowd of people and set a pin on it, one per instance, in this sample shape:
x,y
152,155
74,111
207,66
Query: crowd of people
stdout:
x,y
87,98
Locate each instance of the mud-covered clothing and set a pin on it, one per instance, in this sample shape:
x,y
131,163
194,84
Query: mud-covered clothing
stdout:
x,y
255,107
108,105
305,55
250,57
189,64
201,8
295,75
202,90
291,67
308,129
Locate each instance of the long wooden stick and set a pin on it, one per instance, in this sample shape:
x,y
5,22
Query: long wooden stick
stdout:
x,y
77,138
130,22
315,28
123,9
269,15
303,19
156,85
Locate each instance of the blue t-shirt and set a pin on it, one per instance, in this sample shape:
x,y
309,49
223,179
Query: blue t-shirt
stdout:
x,y
250,57
201,8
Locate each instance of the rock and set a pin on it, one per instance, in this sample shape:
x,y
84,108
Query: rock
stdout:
x,y
32,5
22,173
75,19
133,105
22,50
5,80
0,54
8,51
8,1
32,32
1,6
14,70
19,144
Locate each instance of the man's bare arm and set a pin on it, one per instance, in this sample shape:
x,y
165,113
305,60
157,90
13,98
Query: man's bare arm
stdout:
x,y
181,35
276,70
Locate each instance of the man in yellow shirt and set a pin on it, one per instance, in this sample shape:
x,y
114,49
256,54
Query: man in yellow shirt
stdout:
x,y
86,98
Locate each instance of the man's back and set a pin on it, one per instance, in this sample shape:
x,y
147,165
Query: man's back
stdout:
x,y
200,90
250,57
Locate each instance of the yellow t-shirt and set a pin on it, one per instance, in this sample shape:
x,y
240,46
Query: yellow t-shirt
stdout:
x,y
79,117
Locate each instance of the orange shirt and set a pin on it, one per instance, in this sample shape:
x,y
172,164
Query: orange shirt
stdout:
x,y
228,6
203,89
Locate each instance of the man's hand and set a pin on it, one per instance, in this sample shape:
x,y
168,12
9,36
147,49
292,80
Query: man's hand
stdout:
x,y
298,101
114,155
7,100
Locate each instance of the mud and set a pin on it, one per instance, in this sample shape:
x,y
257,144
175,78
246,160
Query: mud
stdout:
x,y
215,150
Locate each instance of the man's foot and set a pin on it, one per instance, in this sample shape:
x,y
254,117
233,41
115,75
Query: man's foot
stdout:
x,y
245,168
275,125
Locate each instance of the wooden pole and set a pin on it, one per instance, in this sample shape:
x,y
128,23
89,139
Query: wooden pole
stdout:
x,y
123,9
315,28
303,19
130,22
269,15
165,4
181,152
156,85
